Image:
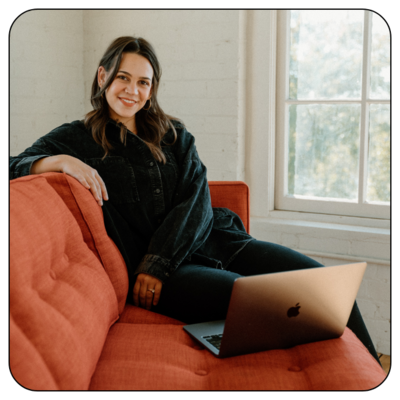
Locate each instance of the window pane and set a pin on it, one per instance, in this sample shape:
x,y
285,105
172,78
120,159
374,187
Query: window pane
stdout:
x,y
324,150
380,59
379,153
326,54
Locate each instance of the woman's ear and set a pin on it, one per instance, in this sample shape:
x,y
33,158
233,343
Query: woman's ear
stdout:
x,y
101,76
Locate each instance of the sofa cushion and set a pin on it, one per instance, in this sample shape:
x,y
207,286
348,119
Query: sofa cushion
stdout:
x,y
151,353
89,217
234,195
62,302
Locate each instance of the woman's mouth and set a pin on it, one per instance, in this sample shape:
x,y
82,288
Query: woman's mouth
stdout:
x,y
127,102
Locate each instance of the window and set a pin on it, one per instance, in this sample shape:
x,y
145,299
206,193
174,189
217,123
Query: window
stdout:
x,y
333,113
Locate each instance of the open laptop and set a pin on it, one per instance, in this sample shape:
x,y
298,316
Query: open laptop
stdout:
x,y
282,310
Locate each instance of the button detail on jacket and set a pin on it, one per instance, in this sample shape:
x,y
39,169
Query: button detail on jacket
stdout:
x,y
151,164
157,190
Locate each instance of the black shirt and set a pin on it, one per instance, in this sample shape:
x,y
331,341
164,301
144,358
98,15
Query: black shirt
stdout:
x,y
159,215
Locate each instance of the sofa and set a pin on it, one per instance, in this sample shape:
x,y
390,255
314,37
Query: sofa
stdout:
x,y
71,327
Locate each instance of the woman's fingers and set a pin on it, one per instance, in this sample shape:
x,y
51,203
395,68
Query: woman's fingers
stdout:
x,y
157,293
146,291
95,188
102,187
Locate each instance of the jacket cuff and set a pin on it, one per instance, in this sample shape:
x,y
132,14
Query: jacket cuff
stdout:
x,y
156,266
24,166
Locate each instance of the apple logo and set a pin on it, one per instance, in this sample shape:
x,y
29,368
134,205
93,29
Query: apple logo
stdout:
x,y
294,311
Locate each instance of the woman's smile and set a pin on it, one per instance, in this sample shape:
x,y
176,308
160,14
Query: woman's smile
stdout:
x,y
127,102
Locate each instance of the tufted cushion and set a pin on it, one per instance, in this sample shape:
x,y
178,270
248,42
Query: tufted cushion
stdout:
x,y
89,217
159,355
62,302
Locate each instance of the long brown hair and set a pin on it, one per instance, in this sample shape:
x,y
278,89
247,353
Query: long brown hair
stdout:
x,y
151,121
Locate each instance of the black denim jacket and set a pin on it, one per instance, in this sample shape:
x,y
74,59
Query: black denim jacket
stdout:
x,y
158,215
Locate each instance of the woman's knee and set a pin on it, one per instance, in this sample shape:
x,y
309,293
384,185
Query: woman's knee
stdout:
x,y
259,257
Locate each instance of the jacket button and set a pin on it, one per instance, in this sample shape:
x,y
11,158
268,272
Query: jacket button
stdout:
x,y
157,190
151,164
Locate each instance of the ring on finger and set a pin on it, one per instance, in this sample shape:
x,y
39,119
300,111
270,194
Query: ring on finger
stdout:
x,y
151,290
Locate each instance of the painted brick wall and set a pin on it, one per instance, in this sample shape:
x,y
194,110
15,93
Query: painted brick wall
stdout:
x,y
46,74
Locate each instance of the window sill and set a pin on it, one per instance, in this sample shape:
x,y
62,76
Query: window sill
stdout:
x,y
342,221
344,238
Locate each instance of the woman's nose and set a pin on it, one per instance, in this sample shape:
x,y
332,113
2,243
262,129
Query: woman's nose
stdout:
x,y
132,88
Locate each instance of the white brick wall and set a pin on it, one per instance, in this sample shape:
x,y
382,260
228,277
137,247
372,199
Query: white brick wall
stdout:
x,y
53,59
46,74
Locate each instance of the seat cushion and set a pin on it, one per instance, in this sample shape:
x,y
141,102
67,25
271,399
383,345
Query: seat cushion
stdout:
x,y
62,302
151,352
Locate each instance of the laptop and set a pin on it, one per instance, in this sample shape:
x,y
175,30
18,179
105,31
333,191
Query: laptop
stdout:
x,y
282,310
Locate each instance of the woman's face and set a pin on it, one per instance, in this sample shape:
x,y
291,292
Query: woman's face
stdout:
x,y
130,89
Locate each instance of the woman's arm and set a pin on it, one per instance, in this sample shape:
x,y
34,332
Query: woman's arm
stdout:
x,y
74,167
40,158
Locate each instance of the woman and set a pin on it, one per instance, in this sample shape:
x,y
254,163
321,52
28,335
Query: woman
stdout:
x,y
182,256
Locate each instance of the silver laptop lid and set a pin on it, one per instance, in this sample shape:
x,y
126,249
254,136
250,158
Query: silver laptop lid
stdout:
x,y
281,310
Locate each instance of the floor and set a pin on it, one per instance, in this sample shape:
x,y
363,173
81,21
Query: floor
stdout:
x,y
385,361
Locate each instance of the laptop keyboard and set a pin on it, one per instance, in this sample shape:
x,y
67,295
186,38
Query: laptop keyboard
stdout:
x,y
215,340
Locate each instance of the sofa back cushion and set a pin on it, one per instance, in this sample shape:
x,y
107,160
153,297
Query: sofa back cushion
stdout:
x,y
62,302
234,195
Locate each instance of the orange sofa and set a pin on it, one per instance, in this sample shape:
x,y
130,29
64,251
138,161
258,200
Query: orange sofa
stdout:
x,y
71,329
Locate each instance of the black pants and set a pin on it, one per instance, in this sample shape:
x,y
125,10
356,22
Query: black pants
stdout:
x,y
195,293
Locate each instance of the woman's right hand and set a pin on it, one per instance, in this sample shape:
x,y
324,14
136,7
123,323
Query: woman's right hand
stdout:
x,y
82,172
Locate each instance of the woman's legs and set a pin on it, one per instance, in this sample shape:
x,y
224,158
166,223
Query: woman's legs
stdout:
x,y
195,293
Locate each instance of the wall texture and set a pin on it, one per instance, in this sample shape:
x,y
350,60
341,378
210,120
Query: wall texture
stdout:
x,y
46,74
210,81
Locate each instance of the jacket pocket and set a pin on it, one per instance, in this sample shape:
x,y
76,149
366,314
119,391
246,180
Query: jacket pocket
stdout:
x,y
119,178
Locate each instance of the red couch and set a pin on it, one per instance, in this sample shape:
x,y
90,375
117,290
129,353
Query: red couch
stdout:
x,y
70,328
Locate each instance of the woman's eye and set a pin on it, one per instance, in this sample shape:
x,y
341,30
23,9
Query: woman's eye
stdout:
x,y
122,77
145,83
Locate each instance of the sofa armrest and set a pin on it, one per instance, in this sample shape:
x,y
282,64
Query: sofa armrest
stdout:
x,y
234,195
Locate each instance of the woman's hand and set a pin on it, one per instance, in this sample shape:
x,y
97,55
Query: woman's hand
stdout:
x,y
82,172
86,175
143,295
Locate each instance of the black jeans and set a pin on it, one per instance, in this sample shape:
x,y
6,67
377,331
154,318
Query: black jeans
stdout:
x,y
195,293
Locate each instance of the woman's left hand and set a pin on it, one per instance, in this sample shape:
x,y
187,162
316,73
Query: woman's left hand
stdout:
x,y
146,291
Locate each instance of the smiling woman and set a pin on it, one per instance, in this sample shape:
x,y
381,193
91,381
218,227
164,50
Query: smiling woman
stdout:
x,y
127,78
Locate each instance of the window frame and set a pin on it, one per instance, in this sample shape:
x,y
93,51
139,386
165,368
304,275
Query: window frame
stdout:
x,y
333,207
